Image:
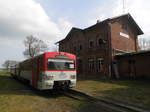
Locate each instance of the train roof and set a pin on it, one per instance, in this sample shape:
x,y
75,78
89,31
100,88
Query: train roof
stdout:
x,y
63,55
53,54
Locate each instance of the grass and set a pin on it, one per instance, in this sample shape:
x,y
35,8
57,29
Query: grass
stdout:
x,y
7,83
15,97
136,92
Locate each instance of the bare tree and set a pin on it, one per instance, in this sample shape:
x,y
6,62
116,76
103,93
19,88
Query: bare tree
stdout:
x,y
34,46
8,63
144,44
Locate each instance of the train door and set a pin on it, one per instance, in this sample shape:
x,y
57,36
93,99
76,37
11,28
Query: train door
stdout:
x,y
35,72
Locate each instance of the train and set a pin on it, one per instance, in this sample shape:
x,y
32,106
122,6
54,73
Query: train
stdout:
x,y
47,71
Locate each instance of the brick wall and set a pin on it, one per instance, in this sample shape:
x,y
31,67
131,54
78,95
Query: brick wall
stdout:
x,y
121,42
134,66
98,42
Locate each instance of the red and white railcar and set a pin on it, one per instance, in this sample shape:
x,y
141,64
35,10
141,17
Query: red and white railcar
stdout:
x,y
47,71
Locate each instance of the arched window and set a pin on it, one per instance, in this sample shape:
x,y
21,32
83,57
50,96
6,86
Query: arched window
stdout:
x,y
100,42
91,43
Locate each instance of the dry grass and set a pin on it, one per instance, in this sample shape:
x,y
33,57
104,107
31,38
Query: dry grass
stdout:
x,y
128,91
17,97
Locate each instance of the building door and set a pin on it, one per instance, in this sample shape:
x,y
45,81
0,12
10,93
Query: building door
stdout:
x,y
132,69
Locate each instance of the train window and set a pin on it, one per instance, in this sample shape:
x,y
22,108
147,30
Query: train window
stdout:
x,y
59,64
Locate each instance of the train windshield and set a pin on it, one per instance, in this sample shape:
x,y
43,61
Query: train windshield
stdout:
x,y
59,64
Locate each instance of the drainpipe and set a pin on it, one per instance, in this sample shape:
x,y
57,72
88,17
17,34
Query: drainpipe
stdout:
x,y
109,51
136,44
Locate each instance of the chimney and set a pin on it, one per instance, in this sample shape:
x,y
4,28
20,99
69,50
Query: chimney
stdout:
x,y
98,21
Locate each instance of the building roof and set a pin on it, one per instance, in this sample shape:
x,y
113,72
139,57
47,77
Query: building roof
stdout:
x,y
143,52
97,24
73,30
127,16
132,21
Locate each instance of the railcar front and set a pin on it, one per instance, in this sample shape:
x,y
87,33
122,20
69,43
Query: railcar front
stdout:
x,y
59,71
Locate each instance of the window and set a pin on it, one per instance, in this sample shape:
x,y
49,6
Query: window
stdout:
x,y
80,65
91,43
100,42
80,47
59,64
91,65
125,27
26,65
75,49
100,62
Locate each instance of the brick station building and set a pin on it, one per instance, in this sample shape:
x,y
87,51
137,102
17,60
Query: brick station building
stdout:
x,y
97,45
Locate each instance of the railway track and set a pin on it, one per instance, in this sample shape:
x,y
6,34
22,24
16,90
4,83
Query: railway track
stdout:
x,y
103,104
109,106
81,96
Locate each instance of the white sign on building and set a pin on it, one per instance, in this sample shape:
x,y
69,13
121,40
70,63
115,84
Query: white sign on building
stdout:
x,y
124,35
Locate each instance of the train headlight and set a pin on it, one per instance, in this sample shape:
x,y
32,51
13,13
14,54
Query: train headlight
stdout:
x,y
73,76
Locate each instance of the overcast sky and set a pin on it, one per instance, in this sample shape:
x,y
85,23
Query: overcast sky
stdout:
x,y
51,20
